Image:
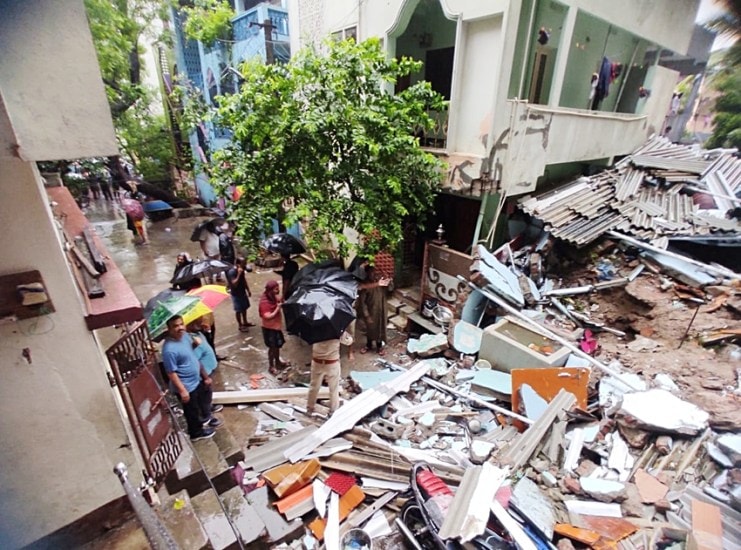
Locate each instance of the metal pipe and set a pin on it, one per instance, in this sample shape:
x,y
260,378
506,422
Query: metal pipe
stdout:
x,y
721,271
550,334
156,531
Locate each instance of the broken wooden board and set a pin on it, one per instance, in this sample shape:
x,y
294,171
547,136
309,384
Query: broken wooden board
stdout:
x,y
236,397
348,502
297,504
707,527
547,382
289,478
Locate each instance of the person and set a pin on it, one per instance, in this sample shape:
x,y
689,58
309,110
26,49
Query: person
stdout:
x,y
105,186
240,293
290,268
325,365
209,239
226,244
272,325
183,260
205,325
372,308
189,380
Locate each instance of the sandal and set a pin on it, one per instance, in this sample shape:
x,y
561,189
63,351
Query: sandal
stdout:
x,y
363,350
381,352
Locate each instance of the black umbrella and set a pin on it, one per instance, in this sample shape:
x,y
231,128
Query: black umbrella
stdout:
x,y
163,296
196,270
320,305
284,243
327,275
211,225
317,314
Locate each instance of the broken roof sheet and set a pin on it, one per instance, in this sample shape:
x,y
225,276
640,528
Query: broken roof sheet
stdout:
x,y
645,194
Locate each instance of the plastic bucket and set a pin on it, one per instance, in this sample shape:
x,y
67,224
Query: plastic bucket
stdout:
x,y
356,539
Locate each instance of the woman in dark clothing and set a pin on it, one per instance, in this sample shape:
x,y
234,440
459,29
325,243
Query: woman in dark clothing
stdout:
x,y
183,259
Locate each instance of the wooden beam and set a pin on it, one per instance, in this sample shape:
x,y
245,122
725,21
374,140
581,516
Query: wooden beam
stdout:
x,y
261,396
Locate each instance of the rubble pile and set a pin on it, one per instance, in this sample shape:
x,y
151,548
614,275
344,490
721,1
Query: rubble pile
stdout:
x,y
580,398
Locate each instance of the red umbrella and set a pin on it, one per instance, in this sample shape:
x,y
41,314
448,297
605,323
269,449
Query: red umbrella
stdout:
x,y
210,295
133,209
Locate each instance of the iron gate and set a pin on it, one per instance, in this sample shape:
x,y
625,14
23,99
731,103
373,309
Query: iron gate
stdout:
x,y
137,376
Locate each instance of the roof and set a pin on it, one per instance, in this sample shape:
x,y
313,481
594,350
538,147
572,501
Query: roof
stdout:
x,y
652,193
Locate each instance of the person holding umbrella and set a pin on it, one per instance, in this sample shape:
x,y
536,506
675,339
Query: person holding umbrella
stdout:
x,y
290,268
272,325
189,379
182,260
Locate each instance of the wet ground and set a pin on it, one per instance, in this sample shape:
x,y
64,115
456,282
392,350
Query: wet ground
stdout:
x,y
148,269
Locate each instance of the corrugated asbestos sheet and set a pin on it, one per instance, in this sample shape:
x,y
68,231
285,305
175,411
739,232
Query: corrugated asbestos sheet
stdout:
x,y
647,194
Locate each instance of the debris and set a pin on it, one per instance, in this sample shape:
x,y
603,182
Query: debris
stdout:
x,y
530,502
469,509
659,409
602,489
650,488
234,397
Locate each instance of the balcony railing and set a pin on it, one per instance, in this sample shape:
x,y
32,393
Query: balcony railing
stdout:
x,y
437,137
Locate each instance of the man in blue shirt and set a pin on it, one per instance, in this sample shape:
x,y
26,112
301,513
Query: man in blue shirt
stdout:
x,y
189,379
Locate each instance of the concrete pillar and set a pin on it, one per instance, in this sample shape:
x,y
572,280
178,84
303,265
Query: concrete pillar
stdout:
x,y
562,57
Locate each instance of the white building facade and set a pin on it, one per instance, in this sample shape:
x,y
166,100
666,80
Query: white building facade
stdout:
x,y
518,76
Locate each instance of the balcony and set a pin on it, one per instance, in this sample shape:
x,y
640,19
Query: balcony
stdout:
x,y
437,137
543,135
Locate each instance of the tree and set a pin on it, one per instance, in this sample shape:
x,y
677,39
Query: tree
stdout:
x,y
319,140
727,80
117,27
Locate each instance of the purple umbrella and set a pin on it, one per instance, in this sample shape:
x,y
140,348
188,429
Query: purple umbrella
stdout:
x,y
133,209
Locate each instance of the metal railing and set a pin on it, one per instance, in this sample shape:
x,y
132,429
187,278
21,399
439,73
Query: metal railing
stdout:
x,y
156,531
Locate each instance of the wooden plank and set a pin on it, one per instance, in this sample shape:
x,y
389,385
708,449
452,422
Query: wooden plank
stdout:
x,y
522,449
707,528
260,396
95,255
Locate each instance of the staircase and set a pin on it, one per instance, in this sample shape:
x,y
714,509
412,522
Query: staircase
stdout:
x,y
403,304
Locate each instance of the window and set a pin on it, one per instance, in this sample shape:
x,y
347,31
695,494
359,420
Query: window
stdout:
x,y
350,33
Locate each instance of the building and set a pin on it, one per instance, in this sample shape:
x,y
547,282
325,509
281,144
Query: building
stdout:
x,y
259,30
66,391
538,90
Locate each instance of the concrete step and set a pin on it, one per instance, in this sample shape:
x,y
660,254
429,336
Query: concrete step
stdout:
x,y
409,295
210,514
179,516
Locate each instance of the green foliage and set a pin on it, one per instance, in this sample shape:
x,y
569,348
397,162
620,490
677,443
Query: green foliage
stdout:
x,y
209,21
146,140
727,118
320,141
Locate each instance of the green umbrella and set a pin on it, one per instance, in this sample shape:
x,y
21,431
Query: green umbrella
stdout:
x,y
166,310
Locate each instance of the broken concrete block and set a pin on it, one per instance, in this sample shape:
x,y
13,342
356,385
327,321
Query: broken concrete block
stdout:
x,y
571,485
548,479
650,488
632,505
730,444
530,502
585,468
664,444
387,429
480,450
612,389
635,437
662,411
603,490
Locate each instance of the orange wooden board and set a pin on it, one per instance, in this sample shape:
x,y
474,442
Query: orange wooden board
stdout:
x,y
548,382
348,502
